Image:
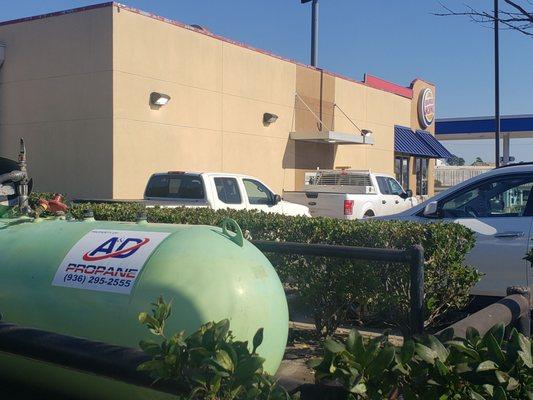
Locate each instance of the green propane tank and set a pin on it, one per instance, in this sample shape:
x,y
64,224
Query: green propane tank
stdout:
x,y
92,278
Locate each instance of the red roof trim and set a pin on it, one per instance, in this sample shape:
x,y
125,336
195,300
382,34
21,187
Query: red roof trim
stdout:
x,y
382,84
369,80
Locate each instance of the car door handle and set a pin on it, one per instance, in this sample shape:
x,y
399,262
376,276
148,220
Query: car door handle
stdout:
x,y
509,234
383,201
397,201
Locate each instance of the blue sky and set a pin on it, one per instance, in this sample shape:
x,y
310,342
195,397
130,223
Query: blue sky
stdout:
x,y
395,40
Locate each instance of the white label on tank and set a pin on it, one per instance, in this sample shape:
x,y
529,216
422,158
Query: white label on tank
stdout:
x,y
107,260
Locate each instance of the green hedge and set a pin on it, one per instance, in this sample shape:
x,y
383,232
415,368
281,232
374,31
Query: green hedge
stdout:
x,y
490,366
331,287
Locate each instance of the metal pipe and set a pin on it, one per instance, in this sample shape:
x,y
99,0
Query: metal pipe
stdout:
x,y
413,256
417,289
506,148
314,34
523,323
496,83
507,310
23,189
13,176
87,356
326,250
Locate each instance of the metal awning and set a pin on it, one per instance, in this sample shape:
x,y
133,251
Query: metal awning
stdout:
x,y
434,144
420,144
331,137
407,142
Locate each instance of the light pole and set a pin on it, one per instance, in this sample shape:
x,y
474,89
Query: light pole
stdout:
x,y
314,31
496,83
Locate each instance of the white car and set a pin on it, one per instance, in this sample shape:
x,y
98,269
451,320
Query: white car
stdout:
x,y
498,207
216,191
351,194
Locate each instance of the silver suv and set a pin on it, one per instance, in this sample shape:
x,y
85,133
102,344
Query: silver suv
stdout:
x,y
498,207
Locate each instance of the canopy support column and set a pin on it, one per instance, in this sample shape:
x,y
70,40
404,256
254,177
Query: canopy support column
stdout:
x,y
506,145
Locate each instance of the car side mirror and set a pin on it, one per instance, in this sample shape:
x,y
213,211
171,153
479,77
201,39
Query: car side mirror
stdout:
x,y
277,199
408,193
431,210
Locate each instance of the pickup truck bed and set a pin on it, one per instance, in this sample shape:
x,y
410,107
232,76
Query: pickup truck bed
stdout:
x,y
321,204
352,195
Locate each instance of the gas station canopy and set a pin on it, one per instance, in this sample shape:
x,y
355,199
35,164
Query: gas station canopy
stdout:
x,y
511,126
516,126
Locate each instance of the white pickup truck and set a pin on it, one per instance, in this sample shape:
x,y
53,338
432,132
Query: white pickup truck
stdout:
x,y
216,191
350,194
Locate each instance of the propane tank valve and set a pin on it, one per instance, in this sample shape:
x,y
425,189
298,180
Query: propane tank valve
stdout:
x,y
23,190
88,215
142,217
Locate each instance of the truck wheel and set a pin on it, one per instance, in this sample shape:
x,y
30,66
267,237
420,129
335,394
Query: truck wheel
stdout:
x,y
369,213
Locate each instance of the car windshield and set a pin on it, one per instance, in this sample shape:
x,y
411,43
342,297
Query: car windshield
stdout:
x,y
188,187
506,196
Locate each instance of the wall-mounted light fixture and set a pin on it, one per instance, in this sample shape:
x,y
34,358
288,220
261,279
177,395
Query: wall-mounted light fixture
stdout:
x,y
159,99
366,133
2,54
269,118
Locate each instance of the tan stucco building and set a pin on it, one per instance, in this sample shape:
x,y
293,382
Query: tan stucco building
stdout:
x,y
76,85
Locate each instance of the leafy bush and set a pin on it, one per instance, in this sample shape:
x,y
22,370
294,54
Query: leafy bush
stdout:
x,y
488,367
209,363
529,257
328,286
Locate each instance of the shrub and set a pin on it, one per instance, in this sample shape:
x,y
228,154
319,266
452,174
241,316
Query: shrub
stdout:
x,y
529,257
209,363
488,367
328,286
